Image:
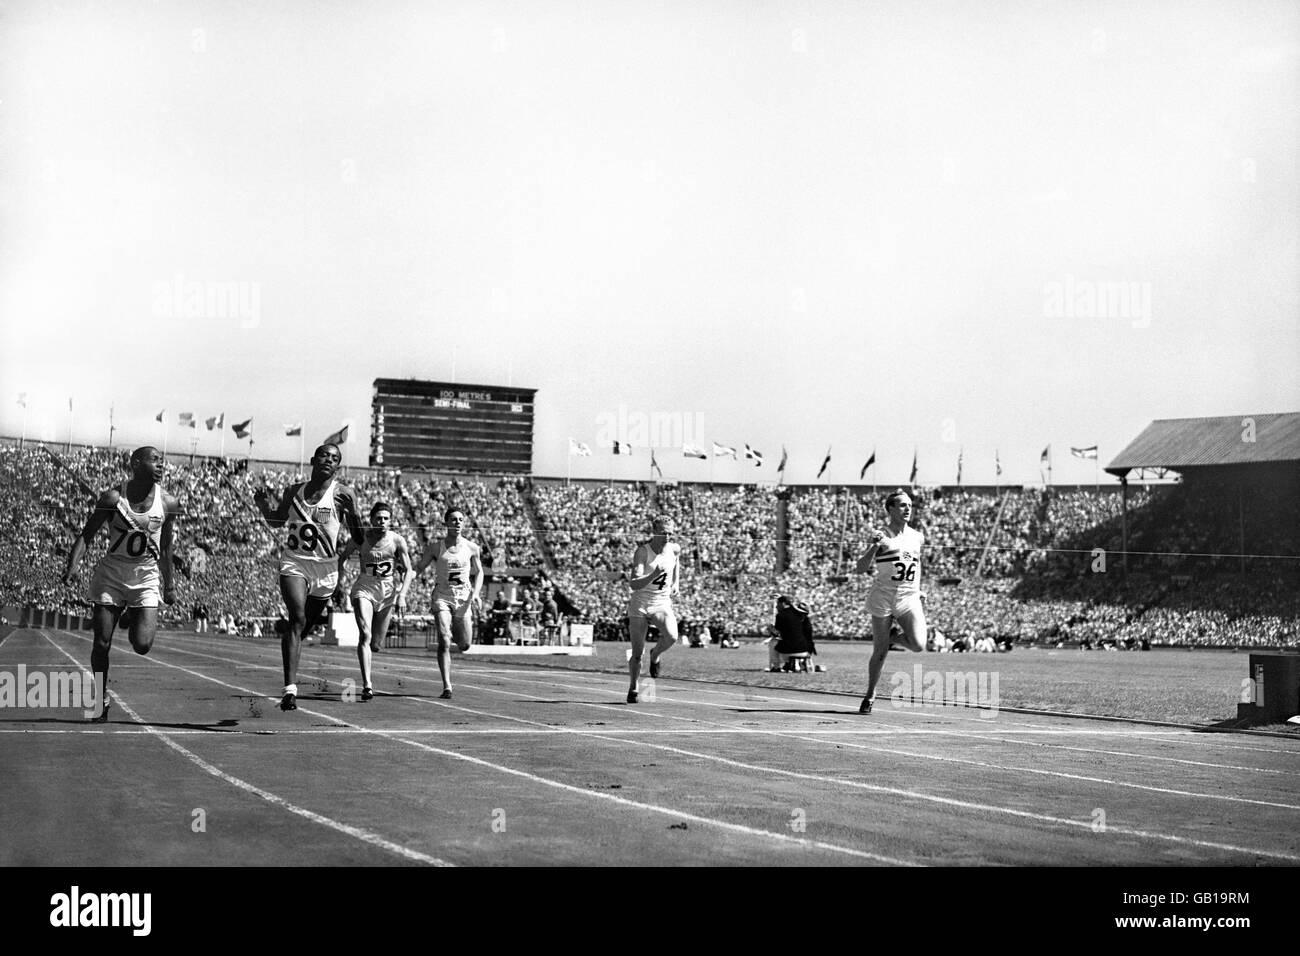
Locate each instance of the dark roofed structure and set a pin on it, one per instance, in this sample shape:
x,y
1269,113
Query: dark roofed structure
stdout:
x,y
1181,443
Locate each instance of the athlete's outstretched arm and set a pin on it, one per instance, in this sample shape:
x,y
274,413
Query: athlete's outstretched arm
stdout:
x,y
476,569
103,509
408,571
643,572
429,556
168,543
348,507
868,561
276,518
345,552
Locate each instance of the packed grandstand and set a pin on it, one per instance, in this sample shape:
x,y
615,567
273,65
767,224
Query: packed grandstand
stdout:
x,y
1016,564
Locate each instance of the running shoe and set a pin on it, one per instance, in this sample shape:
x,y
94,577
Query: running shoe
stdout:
x,y
446,694
289,702
631,697
103,717
654,668
367,694
865,707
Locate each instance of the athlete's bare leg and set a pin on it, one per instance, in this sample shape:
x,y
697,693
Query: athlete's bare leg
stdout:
x,y
914,630
667,624
143,627
443,624
104,620
363,610
636,631
880,631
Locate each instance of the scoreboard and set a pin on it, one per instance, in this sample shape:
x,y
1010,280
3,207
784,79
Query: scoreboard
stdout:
x,y
450,426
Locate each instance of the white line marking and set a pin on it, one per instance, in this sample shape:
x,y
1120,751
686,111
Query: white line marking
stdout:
x,y
987,808
355,832
623,801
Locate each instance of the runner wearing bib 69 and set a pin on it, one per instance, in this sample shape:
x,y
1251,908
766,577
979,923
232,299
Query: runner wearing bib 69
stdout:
x,y
457,590
314,511
386,573
895,559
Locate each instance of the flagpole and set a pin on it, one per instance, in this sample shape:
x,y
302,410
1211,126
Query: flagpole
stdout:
x,y
302,430
222,420
110,426
164,431
23,440
68,448
1096,468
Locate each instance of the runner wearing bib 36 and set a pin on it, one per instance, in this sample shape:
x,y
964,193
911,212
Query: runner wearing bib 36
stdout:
x,y
895,557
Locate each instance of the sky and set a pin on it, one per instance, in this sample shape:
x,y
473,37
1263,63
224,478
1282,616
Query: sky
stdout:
x,y
913,227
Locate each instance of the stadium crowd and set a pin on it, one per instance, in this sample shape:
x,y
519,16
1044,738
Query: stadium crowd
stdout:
x,y
1020,566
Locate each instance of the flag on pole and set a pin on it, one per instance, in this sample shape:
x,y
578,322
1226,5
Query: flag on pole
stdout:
x,y
1045,461
1089,452
69,404
654,465
241,430
912,479
22,399
579,448
216,422
690,451
997,462
159,416
724,451
340,436
294,429
755,454
780,469
186,419
622,448
870,461
826,461
959,454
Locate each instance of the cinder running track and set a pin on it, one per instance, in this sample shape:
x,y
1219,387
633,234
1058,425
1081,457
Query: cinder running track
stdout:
x,y
527,766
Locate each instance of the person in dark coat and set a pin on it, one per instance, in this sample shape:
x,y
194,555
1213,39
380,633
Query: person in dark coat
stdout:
x,y
793,632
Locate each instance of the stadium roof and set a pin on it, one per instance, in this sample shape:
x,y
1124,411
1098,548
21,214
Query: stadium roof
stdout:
x,y
1206,442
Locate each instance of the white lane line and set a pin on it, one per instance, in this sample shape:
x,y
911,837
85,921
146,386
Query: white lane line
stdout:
x,y
556,784
1185,736
355,832
946,801
954,714
946,759
534,678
